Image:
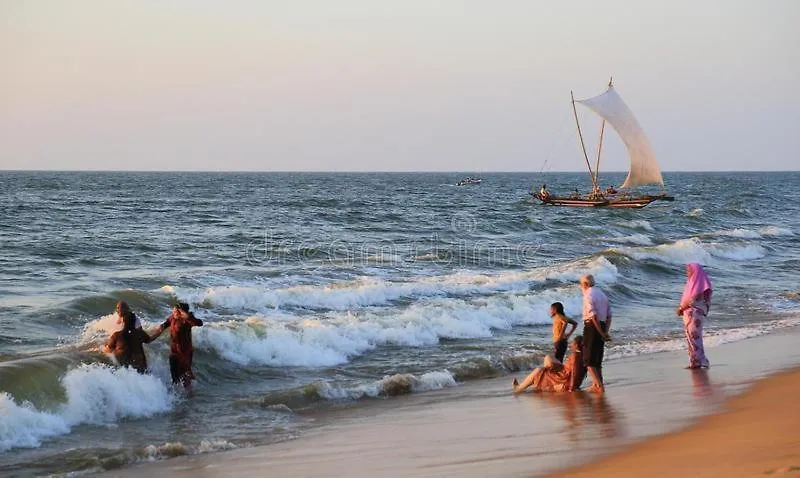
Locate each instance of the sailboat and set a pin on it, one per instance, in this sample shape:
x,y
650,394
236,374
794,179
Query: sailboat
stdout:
x,y
644,169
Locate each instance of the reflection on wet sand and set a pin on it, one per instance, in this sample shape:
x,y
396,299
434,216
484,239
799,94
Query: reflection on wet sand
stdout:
x,y
701,383
586,415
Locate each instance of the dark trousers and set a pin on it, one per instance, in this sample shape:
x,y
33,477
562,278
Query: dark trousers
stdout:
x,y
560,349
593,346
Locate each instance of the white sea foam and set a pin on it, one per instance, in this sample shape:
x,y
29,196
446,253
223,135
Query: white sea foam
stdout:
x,y
740,233
96,394
636,239
694,250
367,292
776,231
172,449
742,252
285,340
637,224
710,339
390,385
678,252
696,212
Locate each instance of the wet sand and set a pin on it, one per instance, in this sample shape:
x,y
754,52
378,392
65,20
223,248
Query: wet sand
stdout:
x,y
481,429
758,434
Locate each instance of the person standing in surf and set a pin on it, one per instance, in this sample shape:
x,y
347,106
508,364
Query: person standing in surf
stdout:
x,y
694,307
181,352
126,344
596,324
122,309
560,336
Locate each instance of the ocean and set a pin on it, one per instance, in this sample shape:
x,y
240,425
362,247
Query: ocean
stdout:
x,y
324,291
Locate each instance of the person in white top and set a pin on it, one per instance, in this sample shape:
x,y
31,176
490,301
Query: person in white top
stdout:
x,y
596,323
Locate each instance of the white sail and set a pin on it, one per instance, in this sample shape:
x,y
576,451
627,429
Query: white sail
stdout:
x,y
644,167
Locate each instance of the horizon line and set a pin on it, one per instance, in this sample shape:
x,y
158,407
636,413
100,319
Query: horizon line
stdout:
x,y
367,172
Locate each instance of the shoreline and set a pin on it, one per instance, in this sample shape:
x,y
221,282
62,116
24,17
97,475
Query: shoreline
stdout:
x,y
744,439
480,429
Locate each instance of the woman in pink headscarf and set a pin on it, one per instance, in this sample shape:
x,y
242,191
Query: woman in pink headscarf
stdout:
x,y
694,307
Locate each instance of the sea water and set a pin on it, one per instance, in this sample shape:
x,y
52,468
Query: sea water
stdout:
x,y
330,290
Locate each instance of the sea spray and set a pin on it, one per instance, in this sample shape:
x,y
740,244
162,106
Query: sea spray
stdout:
x,y
95,394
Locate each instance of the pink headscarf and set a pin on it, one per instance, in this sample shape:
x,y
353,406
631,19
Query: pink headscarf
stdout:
x,y
697,283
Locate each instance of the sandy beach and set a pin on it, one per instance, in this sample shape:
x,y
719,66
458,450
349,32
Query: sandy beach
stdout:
x,y
481,429
756,435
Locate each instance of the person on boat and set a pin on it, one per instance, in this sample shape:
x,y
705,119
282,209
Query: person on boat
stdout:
x,y
122,309
560,334
694,307
126,344
553,376
611,190
596,324
181,352
576,194
543,192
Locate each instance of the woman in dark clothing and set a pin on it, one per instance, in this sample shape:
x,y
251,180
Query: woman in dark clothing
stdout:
x,y
180,325
126,344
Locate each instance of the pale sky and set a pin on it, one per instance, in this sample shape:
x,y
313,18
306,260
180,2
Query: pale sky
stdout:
x,y
411,85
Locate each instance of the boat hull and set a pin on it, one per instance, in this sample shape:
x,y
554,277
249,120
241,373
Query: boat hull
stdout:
x,y
618,203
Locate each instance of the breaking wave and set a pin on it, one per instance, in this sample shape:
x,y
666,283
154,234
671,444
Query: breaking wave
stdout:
x,y
95,395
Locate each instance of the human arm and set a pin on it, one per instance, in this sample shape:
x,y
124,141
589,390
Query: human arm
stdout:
x,y
686,304
195,321
573,324
575,371
110,344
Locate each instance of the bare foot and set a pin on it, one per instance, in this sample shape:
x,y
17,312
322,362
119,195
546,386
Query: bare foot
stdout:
x,y
596,389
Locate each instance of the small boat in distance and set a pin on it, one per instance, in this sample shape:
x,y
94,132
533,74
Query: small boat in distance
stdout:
x,y
644,169
469,180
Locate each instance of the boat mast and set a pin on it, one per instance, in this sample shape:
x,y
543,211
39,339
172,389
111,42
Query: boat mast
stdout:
x,y
600,143
583,146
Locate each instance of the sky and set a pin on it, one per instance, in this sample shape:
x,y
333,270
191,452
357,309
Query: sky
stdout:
x,y
412,85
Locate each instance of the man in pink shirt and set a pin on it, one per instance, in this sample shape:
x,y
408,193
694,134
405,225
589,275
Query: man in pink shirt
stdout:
x,y
596,323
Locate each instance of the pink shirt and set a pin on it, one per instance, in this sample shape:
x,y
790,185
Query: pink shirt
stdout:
x,y
595,303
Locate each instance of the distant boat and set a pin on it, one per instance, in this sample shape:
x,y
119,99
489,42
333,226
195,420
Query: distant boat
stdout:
x,y
644,169
469,180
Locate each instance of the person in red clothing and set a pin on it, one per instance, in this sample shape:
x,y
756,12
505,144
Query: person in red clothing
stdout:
x,y
180,325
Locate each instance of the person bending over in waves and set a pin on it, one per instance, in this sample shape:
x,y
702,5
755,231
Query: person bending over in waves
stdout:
x,y
126,344
553,376
180,325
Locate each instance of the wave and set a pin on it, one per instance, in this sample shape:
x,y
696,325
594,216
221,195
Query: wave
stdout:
x,y
371,291
711,338
637,224
284,340
696,212
95,394
636,239
739,233
776,231
388,386
694,250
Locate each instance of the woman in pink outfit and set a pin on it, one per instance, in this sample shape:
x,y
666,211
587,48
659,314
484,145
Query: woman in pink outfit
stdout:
x,y
694,307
